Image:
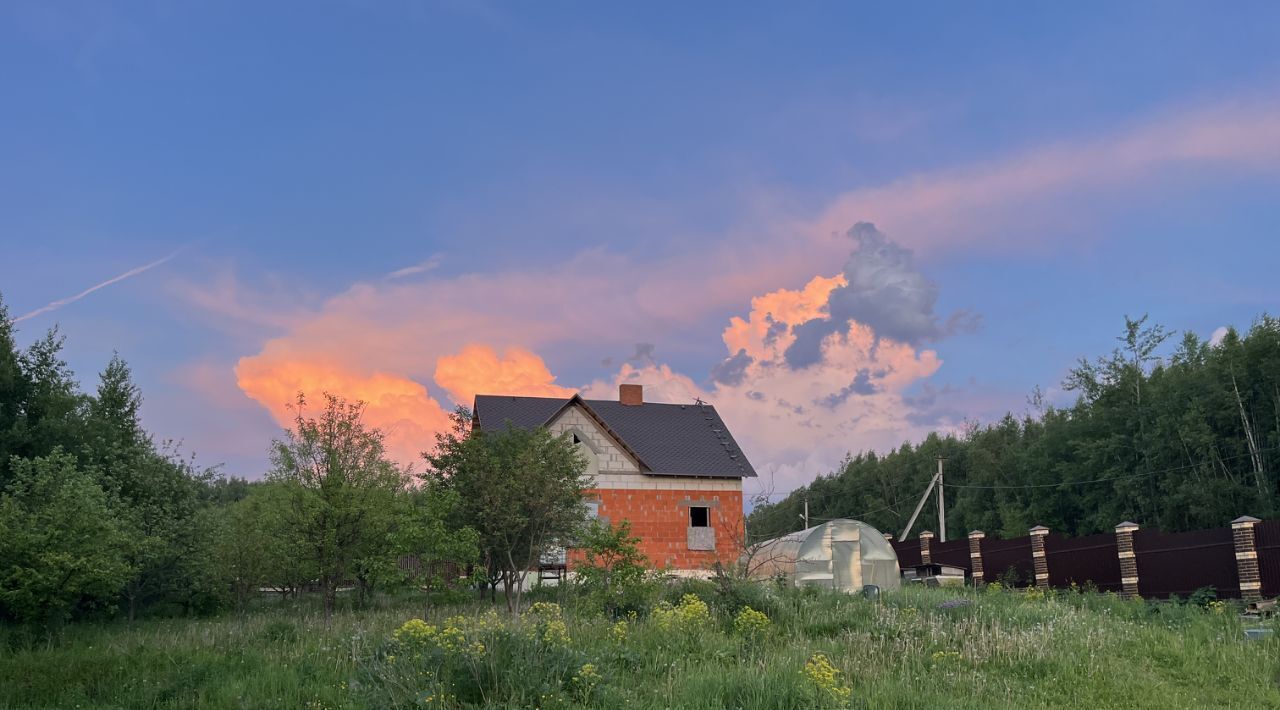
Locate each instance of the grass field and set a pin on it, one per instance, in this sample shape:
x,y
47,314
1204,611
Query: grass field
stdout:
x,y
914,648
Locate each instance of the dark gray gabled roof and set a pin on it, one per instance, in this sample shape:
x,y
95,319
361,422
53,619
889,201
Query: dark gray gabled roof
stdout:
x,y
667,439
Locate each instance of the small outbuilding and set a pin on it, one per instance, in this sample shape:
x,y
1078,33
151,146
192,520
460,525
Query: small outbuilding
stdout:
x,y
841,554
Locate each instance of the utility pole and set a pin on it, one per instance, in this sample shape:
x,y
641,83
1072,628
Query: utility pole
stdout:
x,y
806,511
942,505
924,498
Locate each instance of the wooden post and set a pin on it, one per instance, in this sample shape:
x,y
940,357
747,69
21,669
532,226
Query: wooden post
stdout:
x,y
1038,560
1242,531
926,537
975,557
1128,560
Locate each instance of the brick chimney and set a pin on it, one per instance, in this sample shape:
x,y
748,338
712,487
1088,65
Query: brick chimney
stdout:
x,y
632,395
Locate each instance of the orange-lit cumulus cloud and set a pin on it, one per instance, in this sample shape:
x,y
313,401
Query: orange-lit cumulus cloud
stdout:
x,y
477,369
397,405
796,422
783,306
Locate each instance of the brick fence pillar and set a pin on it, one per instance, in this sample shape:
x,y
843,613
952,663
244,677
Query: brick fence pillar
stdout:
x,y
926,537
975,556
1247,557
1038,560
1128,560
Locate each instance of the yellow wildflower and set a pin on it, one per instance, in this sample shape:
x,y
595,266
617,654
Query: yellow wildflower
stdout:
x,y
750,622
826,677
619,631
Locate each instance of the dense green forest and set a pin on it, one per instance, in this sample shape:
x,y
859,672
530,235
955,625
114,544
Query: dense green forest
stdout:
x,y
1174,434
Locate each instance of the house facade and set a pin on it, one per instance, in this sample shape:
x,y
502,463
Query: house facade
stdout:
x,y
672,470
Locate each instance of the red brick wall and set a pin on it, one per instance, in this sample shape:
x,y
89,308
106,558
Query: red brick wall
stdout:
x,y
661,523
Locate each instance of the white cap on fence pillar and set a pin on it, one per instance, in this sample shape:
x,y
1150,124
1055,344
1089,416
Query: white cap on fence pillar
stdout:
x,y
1244,521
925,534
1126,526
977,535
1039,530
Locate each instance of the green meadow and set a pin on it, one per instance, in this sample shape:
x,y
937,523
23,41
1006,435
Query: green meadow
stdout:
x,y
704,646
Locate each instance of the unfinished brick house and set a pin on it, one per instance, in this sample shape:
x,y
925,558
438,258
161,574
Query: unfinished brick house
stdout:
x,y
672,470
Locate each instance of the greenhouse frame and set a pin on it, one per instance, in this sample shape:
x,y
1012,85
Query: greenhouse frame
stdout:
x,y
845,555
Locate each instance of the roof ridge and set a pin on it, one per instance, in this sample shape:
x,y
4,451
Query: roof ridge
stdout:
x,y
664,438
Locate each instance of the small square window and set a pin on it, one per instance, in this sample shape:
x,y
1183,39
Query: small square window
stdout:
x,y
699,516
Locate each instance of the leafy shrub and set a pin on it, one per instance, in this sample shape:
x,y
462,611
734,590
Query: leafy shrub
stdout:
x,y
1202,596
1010,577
613,576
729,594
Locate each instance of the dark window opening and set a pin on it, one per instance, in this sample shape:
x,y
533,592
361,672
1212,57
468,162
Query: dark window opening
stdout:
x,y
699,517
576,440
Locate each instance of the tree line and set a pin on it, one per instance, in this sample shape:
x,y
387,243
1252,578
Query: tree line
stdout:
x,y
1172,433
97,520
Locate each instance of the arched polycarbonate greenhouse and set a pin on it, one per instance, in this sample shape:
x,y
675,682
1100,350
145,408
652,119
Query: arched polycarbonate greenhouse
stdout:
x,y
841,554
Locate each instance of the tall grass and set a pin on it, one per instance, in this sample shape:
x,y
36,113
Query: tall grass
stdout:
x,y
1000,649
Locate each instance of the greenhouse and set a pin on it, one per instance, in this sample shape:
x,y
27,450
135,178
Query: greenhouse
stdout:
x,y
841,554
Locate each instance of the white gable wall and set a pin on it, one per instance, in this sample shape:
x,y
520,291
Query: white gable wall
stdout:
x,y
610,457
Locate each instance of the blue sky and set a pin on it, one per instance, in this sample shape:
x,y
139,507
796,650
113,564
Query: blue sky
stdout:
x,y
580,179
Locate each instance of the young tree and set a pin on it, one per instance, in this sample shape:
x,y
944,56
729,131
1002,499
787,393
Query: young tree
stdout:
x,y
427,536
613,573
60,545
341,487
256,548
53,407
521,489
154,492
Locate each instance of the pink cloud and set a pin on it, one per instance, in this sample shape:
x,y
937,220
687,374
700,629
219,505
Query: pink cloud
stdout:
x,y
957,208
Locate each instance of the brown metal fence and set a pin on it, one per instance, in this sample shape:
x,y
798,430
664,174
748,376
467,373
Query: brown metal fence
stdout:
x,y
1181,563
1168,564
1083,561
1008,561
953,552
908,553
1268,544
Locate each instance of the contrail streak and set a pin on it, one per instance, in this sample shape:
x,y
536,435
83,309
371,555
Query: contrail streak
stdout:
x,y
72,299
